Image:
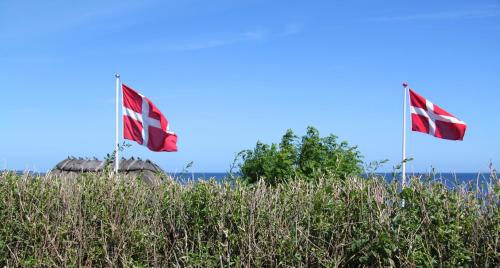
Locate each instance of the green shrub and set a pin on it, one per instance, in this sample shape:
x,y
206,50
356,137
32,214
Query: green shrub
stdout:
x,y
99,220
307,158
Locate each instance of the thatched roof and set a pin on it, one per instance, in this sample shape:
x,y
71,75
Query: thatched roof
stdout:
x,y
71,167
94,165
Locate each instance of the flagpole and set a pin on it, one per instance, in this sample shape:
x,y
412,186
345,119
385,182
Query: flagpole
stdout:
x,y
403,172
117,142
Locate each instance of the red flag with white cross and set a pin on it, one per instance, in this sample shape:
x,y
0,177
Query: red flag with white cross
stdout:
x,y
144,123
429,118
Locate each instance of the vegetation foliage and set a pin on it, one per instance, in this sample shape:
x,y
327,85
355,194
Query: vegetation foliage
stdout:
x,y
308,158
101,220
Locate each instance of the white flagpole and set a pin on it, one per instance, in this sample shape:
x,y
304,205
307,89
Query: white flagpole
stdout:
x,y
403,172
117,142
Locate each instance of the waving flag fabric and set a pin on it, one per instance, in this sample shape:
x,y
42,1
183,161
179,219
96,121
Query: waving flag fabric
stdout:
x,y
429,118
145,124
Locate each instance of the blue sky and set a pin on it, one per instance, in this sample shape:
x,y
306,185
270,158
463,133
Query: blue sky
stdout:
x,y
228,73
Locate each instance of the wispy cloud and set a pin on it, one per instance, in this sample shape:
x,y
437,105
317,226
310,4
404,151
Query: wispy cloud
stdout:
x,y
221,40
293,28
197,45
218,41
66,17
257,35
482,13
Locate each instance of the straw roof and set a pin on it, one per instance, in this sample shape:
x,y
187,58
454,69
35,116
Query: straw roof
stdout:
x,y
133,167
95,165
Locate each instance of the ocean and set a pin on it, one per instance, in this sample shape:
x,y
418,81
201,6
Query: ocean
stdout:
x,y
448,178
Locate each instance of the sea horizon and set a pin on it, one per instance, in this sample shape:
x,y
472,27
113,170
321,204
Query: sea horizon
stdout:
x,y
449,178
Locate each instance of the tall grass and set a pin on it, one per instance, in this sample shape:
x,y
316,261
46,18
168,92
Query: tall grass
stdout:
x,y
100,220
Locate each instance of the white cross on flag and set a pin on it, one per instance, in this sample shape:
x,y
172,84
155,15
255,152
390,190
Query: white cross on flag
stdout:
x,y
145,124
429,118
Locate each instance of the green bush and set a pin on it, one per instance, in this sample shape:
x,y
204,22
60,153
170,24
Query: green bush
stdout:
x,y
99,220
307,158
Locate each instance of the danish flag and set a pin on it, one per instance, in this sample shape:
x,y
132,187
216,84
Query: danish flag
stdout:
x,y
145,124
429,118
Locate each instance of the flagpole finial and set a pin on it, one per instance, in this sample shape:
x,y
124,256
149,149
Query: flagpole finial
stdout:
x,y
405,84
117,75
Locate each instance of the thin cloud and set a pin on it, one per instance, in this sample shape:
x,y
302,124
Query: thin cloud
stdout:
x,y
293,28
65,18
222,40
200,45
248,36
258,35
489,12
